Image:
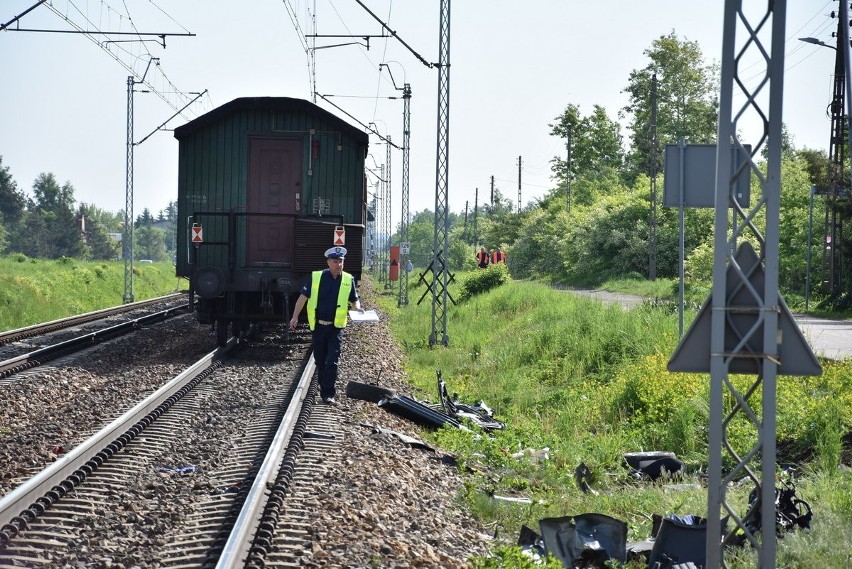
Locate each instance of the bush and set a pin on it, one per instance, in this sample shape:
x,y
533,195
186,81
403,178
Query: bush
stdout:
x,y
483,280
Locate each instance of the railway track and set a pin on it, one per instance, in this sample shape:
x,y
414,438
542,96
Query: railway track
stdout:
x,y
28,360
189,477
18,334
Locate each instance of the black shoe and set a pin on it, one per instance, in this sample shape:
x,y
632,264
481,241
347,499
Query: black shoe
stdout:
x,y
329,401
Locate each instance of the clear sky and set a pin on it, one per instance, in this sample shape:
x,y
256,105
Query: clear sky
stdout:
x,y
514,68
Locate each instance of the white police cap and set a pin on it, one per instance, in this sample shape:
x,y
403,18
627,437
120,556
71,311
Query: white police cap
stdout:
x,y
335,253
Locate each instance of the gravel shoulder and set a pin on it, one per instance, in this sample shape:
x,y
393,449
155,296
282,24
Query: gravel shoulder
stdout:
x,y
385,504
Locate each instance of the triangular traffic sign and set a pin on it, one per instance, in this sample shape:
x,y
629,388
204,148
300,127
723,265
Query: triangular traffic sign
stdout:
x,y
794,354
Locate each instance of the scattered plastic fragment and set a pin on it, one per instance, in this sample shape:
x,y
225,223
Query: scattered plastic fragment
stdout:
x,y
178,470
479,414
653,465
320,436
516,499
582,475
410,441
587,540
534,456
235,487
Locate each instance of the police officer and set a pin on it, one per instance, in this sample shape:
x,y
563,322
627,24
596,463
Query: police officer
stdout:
x,y
328,295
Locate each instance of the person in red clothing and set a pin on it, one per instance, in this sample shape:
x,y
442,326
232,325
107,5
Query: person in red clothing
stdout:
x,y
482,258
498,256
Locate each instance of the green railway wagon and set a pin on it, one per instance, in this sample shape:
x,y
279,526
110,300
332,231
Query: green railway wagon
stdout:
x,y
265,186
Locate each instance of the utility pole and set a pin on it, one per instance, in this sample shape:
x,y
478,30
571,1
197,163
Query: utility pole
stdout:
x,y
406,146
388,224
466,203
519,184
127,237
568,166
440,276
475,216
833,250
652,173
492,192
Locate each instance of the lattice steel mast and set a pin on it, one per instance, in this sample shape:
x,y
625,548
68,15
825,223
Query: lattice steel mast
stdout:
x,y
439,266
747,314
127,237
388,224
406,135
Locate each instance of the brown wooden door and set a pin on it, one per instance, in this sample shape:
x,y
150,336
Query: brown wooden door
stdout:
x,y
275,172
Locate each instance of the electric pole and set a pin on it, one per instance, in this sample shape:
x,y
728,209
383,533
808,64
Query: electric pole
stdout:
x,y
568,167
492,191
440,272
652,173
466,204
519,184
833,249
475,216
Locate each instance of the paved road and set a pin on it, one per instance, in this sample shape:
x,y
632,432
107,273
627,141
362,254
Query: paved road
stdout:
x,y
830,339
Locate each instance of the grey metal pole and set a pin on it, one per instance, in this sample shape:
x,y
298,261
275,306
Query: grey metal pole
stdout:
x,y
568,166
127,237
652,230
681,145
440,273
406,138
808,262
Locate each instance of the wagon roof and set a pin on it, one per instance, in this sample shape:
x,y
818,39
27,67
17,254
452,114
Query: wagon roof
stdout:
x,y
269,104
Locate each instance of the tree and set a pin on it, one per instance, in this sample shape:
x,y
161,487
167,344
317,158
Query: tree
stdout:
x,y
12,200
818,167
100,245
144,219
51,228
687,100
595,142
111,222
50,196
150,244
32,240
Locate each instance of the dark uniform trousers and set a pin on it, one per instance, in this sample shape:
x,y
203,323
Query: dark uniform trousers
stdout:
x,y
326,340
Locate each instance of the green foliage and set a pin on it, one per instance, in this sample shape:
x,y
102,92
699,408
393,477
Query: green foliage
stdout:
x,y
483,280
613,240
36,290
686,100
512,557
589,382
595,141
12,200
150,244
4,240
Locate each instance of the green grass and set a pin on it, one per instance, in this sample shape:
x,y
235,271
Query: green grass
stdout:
x,y
589,382
35,290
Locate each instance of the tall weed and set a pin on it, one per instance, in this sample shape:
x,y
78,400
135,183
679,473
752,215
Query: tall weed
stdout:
x,y
590,383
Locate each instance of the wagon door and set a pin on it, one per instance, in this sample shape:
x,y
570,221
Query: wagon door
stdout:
x,y
275,172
